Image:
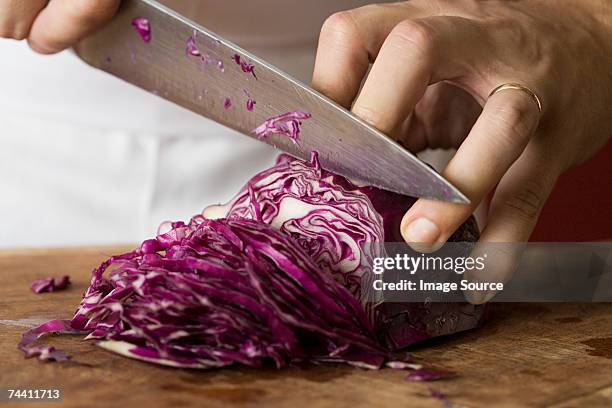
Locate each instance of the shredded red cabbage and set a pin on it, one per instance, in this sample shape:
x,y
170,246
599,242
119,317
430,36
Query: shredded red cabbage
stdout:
x,y
50,284
227,103
143,28
45,353
246,67
287,124
212,293
192,48
250,104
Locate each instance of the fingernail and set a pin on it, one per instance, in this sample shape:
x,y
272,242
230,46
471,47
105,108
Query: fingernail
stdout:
x,y
479,297
41,49
473,297
421,230
489,295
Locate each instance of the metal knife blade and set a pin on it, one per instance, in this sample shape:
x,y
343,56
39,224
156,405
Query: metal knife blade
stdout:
x,y
205,83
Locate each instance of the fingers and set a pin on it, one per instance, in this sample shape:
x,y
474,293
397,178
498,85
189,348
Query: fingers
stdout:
x,y
63,23
519,198
497,139
416,53
17,16
501,260
407,43
441,120
350,41
342,59
513,214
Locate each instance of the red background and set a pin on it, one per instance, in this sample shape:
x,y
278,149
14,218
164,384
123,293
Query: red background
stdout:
x,y
580,207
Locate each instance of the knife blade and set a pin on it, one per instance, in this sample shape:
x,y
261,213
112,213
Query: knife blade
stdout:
x,y
216,79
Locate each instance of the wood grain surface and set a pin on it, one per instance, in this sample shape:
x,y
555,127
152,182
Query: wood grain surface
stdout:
x,y
527,355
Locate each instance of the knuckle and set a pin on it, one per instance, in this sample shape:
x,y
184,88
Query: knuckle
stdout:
x,y
528,201
441,7
368,9
372,116
91,9
21,33
17,32
340,25
417,35
515,123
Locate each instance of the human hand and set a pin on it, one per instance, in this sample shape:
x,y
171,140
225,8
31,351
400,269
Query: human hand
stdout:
x,y
52,26
434,64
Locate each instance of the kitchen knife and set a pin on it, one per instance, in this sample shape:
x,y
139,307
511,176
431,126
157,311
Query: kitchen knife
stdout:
x,y
185,63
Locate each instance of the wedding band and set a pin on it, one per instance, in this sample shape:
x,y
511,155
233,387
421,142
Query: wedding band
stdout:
x,y
512,85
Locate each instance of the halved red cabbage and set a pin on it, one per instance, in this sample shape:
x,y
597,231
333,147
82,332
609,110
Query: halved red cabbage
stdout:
x,y
50,284
287,124
143,28
342,227
330,218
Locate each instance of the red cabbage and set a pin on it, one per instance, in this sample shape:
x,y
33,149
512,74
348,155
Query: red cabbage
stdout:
x,y
250,104
143,28
405,364
339,223
330,218
50,284
192,48
212,293
227,103
246,67
287,124
272,277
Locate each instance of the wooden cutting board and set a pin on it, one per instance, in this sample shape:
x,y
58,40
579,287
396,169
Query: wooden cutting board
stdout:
x,y
540,355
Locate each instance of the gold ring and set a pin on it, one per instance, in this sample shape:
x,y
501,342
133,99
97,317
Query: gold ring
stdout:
x,y
512,85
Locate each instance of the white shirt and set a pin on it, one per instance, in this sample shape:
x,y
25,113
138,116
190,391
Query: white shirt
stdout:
x,y
88,159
